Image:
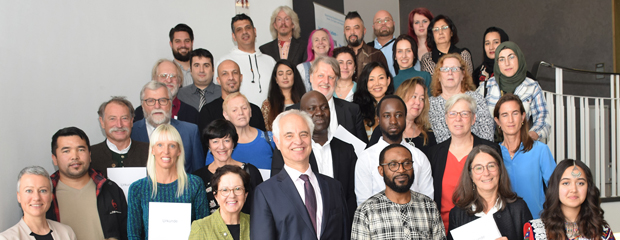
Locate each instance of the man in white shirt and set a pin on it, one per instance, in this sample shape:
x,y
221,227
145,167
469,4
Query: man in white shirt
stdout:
x,y
391,111
383,28
298,203
255,66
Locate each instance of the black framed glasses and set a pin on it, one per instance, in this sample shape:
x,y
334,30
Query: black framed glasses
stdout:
x,y
479,168
225,191
152,101
394,166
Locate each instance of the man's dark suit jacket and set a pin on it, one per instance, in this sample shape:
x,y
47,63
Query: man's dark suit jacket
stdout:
x,y
438,156
279,213
214,111
297,52
101,157
343,160
349,116
186,113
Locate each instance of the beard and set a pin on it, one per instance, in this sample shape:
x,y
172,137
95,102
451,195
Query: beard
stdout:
x,y
356,42
384,33
178,56
393,137
396,188
158,121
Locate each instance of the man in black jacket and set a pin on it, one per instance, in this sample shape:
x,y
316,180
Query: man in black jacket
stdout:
x,y
79,188
285,31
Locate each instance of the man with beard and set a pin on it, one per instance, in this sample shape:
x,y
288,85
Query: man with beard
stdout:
x,y
93,206
116,119
181,43
354,32
391,112
229,77
397,212
157,105
204,90
285,31
255,66
383,26
330,156
170,74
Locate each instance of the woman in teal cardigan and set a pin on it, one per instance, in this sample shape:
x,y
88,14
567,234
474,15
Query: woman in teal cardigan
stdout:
x,y
228,222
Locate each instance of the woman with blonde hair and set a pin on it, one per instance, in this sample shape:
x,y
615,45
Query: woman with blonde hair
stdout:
x,y
166,181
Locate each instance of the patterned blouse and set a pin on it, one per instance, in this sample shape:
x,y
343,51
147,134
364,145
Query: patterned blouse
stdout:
x,y
483,127
535,230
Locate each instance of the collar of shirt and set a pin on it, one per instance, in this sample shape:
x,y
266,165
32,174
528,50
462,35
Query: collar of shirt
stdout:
x,y
323,156
380,47
493,210
333,118
113,147
150,128
299,185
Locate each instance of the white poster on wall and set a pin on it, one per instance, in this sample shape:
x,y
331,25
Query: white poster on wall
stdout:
x,y
331,20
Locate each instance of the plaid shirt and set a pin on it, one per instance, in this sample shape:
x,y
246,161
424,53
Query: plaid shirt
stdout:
x,y
533,100
380,218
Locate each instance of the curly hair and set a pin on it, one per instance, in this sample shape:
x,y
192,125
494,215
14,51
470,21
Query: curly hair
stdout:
x,y
362,96
590,218
467,84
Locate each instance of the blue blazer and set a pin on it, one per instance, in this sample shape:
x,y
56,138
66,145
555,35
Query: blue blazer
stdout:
x,y
194,156
279,213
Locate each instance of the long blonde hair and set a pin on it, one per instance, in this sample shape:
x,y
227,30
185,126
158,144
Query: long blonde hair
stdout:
x,y
406,90
167,132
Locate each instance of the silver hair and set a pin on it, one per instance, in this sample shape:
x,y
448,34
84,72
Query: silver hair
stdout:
x,y
34,170
471,102
275,129
294,19
179,71
332,62
154,85
119,100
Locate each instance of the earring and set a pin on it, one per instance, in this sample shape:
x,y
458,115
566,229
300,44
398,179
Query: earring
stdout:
x,y
499,127
522,123
472,183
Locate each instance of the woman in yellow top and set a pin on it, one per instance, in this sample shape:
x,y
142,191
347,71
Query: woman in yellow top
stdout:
x,y
228,222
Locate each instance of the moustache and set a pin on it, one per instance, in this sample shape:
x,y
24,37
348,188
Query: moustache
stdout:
x,y
118,129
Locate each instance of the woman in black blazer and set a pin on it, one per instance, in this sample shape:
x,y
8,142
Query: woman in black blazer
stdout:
x,y
448,158
486,175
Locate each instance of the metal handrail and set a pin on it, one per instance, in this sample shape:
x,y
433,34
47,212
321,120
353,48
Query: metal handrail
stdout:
x,y
551,65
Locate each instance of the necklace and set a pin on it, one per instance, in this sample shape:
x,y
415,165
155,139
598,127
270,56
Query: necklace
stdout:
x,y
572,230
410,141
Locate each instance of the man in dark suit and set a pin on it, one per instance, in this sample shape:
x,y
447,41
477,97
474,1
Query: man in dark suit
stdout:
x,y
170,74
116,119
298,203
155,98
323,76
285,31
330,156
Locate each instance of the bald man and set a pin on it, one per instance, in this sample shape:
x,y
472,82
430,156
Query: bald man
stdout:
x,y
383,27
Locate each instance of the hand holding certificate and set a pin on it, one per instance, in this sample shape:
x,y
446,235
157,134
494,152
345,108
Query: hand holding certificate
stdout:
x,y
483,228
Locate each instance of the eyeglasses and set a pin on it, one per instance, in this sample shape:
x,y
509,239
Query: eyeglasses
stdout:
x,y
394,166
440,28
464,114
152,101
287,19
503,59
165,76
225,191
479,168
453,69
379,21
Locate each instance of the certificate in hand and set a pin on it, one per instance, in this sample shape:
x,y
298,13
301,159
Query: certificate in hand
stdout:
x,y
480,229
344,135
125,176
169,220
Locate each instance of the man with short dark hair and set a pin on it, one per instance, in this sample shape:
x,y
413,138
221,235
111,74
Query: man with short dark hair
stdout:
x,y
204,90
354,32
170,73
181,43
285,30
93,206
229,77
391,112
157,105
397,212
255,66
116,119
383,28
298,203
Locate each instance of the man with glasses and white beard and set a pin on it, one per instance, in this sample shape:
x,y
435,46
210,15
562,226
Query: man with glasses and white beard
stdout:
x,y
157,104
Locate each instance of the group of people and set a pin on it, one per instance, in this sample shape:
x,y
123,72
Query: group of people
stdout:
x,y
447,143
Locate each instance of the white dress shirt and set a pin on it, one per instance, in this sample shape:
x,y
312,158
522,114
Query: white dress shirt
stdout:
x,y
333,118
369,182
115,149
299,184
323,156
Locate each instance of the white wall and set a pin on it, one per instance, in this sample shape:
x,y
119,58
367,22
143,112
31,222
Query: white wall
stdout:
x,y
368,8
60,59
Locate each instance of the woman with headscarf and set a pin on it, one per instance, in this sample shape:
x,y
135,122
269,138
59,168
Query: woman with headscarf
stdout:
x,y
493,36
511,77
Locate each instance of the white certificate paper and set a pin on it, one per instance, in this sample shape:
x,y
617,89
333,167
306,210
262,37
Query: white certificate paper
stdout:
x,y
344,135
169,220
480,229
125,176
